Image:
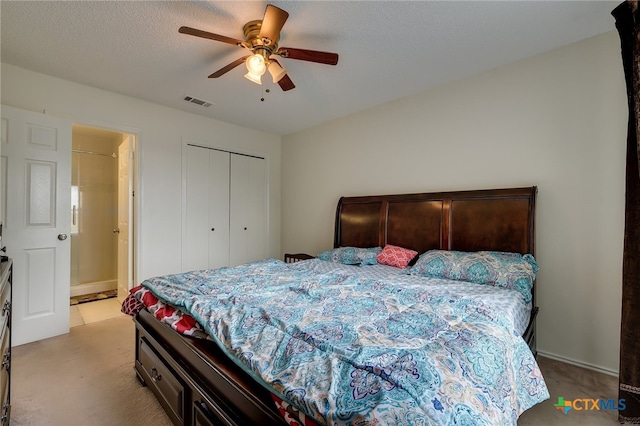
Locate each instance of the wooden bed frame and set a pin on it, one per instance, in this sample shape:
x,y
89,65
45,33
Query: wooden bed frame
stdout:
x,y
197,384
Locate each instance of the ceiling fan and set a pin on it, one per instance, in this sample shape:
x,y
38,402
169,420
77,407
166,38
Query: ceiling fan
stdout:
x,y
261,38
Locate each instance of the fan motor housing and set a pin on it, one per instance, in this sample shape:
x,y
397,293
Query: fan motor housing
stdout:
x,y
252,36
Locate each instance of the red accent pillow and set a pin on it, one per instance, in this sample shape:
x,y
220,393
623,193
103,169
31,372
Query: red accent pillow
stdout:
x,y
396,256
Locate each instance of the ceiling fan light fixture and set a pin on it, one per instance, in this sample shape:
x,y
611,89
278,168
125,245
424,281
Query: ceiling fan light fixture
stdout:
x,y
257,67
253,77
276,71
256,64
261,38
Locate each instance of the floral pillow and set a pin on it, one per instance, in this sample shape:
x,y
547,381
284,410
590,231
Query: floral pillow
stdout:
x,y
351,255
396,256
500,269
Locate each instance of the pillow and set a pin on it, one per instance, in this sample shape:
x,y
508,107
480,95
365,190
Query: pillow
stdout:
x,y
500,269
351,255
396,256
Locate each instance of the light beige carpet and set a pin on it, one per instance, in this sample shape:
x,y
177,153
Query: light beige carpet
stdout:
x,y
83,378
86,378
571,382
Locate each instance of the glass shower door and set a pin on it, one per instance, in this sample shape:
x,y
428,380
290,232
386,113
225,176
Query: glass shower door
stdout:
x,y
94,208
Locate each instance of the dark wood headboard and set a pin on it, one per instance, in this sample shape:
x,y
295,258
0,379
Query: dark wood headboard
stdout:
x,y
495,219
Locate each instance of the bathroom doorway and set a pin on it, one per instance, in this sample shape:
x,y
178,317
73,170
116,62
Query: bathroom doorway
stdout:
x,y
102,218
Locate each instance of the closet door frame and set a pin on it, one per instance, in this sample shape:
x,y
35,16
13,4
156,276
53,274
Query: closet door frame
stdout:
x,y
186,142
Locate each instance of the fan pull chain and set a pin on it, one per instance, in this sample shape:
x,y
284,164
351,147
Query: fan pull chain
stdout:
x,y
263,92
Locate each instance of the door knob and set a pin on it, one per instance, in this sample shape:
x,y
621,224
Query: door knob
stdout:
x,y
62,237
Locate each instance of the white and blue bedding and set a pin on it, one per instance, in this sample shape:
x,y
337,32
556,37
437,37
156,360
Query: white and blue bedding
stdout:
x,y
510,303
376,347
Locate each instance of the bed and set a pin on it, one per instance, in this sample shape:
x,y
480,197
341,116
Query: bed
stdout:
x,y
200,381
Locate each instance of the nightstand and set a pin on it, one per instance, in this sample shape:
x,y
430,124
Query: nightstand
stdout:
x,y
296,257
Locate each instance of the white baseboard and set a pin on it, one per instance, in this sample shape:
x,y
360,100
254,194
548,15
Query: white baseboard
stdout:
x,y
579,364
94,287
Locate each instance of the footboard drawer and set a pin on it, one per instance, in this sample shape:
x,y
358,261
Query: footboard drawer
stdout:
x,y
163,382
208,413
215,393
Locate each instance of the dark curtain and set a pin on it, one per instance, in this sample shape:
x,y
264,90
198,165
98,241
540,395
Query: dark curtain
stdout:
x,y
627,16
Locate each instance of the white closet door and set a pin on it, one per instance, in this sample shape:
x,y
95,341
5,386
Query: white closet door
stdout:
x,y
257,212
206,239
218,208
195,253
248,209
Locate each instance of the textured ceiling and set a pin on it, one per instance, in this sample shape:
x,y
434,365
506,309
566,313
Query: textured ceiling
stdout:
x,y
387,50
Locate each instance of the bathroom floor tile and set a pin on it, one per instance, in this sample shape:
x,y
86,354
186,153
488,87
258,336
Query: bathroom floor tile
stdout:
x,y
75,317
99,310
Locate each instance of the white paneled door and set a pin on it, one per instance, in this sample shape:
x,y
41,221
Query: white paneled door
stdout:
x,y
125,213
37,148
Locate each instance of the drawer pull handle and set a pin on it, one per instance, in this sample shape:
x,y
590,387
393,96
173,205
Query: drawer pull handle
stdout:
x,y
6,360
155,377
5,414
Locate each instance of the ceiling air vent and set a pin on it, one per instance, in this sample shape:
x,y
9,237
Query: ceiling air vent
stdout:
x,y
197,101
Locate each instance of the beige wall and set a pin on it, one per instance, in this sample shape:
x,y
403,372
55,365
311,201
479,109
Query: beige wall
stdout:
x,y
557,120
160,134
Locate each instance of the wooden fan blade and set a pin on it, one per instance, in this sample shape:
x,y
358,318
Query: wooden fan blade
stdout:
x,y
308,55
229,67
272,23
285,83
210,36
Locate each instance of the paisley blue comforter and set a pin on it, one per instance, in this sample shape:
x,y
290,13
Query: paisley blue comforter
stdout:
x,y
352,350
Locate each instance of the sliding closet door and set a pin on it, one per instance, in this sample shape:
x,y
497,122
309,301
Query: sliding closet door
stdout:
x,y
225,221
248,233
218,208
206,227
